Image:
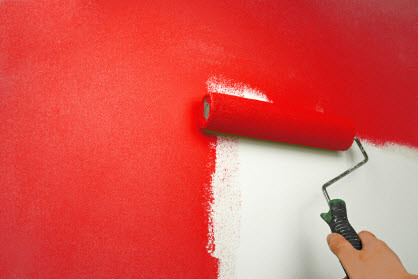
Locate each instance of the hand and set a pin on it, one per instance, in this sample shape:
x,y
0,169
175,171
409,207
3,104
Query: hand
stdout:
x,y
375,261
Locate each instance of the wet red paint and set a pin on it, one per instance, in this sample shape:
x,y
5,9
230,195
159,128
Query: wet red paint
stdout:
x,y
276,122
103,167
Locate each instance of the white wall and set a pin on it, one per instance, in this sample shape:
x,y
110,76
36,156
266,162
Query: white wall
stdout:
x,y
281,233
266,219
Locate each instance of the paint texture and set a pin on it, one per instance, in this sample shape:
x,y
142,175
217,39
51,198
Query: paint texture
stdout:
x,y
226,86
104,171
226,205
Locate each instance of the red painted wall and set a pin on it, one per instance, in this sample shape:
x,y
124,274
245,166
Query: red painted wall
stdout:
x,y
104,171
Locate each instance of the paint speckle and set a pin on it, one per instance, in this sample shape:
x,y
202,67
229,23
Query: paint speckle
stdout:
x,y
226,206
220,84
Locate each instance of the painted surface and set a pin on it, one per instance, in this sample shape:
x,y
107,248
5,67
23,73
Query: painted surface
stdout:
x,y
104,171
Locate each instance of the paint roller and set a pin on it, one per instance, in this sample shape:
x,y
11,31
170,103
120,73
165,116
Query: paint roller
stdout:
x,y
290,124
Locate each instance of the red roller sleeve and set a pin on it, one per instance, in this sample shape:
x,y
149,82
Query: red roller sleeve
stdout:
x,y
264,120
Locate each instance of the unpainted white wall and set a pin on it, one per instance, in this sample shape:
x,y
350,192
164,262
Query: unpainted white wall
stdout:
x,y
281,234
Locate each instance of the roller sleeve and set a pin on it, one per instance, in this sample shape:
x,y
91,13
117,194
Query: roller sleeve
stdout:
x,y
265,120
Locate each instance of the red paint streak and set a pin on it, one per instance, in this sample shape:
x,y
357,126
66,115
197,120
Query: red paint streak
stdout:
x,y
103,165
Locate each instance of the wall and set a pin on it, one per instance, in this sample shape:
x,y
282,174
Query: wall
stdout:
x,y
99,179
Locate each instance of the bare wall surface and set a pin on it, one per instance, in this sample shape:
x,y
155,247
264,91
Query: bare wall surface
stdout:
x,y
281,232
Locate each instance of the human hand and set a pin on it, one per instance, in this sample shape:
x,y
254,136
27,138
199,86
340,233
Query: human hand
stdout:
x,y
375,261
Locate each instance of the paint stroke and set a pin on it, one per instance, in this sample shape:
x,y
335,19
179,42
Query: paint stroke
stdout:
x,y
225,208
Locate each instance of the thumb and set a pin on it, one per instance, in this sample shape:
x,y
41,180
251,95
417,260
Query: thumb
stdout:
x,y
340,247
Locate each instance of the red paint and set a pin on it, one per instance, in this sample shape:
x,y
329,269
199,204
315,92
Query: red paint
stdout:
x,y
103,167
277,122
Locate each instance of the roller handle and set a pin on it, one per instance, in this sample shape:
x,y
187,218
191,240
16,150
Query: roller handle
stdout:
x,y
337,220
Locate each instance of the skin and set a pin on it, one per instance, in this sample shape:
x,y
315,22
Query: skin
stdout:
x,y
375,261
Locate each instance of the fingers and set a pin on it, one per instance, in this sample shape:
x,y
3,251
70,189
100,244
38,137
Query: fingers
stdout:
x,y
367,238
340,247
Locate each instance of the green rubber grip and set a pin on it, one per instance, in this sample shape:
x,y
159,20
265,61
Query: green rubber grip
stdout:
x,y
337,220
